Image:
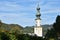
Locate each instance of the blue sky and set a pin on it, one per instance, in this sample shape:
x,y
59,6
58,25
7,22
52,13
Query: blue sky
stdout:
x,y
23,12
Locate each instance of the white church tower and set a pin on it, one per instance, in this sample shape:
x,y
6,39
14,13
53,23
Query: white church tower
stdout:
x,y
38,28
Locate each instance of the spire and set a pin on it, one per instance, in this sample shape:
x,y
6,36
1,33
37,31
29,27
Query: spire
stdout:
x,y
38,8
38,12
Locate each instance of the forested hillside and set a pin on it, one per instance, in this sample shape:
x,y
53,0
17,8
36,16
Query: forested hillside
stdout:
x,y
30,29
10,27
19,29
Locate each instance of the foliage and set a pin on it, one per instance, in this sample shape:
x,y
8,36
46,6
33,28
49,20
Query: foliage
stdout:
x,y
16,36
11,28
4,36
52,33
28,29
28,37
56,25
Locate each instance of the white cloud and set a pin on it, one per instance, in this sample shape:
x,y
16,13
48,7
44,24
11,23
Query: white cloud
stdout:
x,y
13,7
50,7
51,11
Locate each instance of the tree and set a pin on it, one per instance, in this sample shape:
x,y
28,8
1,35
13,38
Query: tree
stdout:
x,y
4,36
56,25
51,34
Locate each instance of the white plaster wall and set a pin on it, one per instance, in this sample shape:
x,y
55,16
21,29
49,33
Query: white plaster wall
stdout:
x,y
38,31
38,22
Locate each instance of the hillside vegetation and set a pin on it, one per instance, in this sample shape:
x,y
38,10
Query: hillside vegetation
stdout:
x,y
10,28
19,29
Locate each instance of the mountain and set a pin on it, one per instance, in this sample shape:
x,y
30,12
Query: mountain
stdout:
x,y
19,29
10,27
30,29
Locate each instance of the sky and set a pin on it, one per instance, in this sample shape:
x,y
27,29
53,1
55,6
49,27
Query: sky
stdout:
x,y
23,12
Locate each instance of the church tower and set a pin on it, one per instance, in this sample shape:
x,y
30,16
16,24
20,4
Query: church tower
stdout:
x,y
38,28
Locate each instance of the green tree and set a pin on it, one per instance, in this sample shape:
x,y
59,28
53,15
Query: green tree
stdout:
x,y
56,25
55,30
51,34
12,36
4,36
